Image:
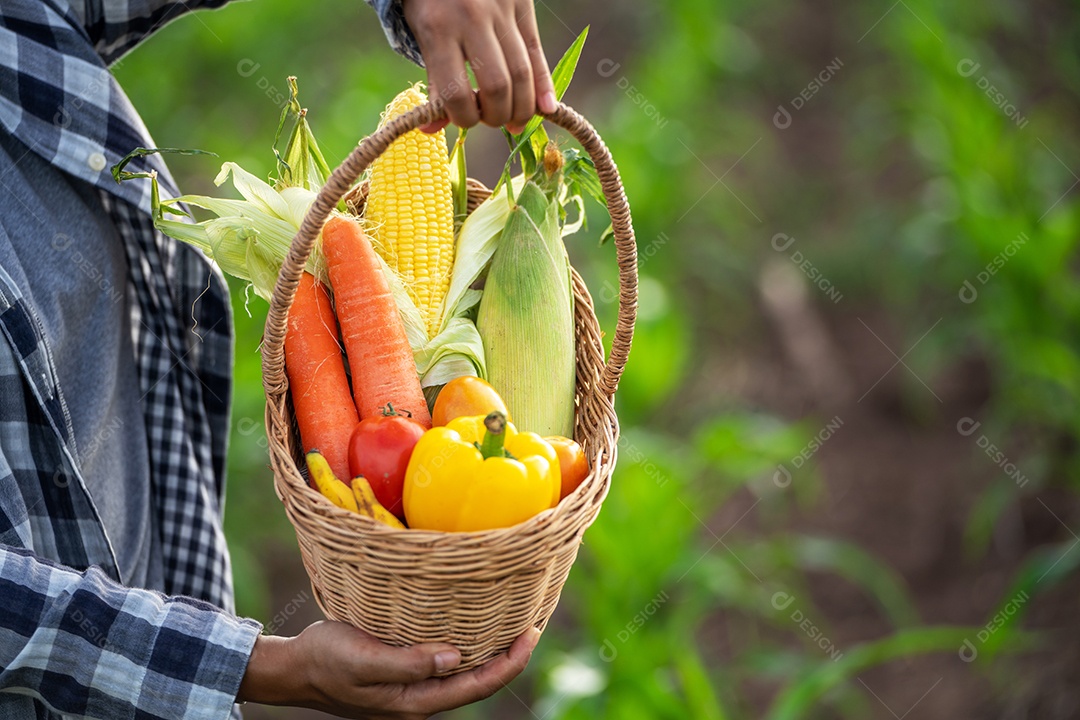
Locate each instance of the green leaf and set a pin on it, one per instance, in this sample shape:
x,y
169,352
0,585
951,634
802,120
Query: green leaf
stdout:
x,y
579,174
476,244
560,78
119,175
800,698
459,180
530,155
984,516
696,686
856,565
303,164
262,197
608,234
249,238
580,171
1045,568
534,149
292,107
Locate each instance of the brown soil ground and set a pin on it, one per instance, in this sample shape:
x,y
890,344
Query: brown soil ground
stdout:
x,y
900,482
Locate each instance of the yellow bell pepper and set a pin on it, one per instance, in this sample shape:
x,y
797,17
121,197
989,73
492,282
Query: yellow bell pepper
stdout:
x,y
479,473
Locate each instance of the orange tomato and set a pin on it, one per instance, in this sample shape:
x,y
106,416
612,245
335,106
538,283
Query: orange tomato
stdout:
x,y
464,397
573,464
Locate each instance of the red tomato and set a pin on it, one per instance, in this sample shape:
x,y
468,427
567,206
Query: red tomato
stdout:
x,y
379,449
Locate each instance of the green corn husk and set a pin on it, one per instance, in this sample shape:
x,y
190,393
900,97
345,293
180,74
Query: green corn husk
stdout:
x,y
526,315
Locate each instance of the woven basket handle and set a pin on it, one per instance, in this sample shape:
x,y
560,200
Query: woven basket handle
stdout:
x,y
375,145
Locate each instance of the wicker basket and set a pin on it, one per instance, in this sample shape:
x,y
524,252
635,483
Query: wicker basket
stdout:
x,y
478,590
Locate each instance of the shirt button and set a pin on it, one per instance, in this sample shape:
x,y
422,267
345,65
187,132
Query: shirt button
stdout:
x,y
96,161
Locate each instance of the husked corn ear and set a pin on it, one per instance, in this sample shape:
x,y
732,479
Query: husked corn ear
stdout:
x,y
410,211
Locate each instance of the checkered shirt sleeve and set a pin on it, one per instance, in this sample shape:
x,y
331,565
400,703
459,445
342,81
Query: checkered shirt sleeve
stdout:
x,y
86,647
73,642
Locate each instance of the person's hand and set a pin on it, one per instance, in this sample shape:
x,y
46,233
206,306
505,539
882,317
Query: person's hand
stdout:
x,y
500,41
338,669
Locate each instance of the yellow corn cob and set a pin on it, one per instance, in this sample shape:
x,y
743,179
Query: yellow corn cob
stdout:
x,y
410,211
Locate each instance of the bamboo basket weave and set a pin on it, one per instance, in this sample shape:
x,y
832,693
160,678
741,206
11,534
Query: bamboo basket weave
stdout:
x,y
475,590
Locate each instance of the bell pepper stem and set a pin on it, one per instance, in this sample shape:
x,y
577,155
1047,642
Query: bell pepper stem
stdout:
x,y
492,446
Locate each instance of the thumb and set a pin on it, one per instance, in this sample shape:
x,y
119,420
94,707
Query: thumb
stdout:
x,y
410,664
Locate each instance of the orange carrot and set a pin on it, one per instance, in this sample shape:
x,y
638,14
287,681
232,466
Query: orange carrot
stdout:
x,y
383,370
320,391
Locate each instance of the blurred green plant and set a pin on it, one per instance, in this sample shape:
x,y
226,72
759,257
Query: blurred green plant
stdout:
x,y
1006,286
670,613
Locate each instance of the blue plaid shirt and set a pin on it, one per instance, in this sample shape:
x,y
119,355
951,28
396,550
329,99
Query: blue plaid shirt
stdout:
x,y
73,641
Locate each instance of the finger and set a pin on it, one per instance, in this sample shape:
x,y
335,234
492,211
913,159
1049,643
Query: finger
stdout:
x,y
523,92
448,85
445,694
384,664
544,88
492,77
432,128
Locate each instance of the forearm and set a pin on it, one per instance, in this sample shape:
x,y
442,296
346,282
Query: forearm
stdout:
x,y
273,677
88,647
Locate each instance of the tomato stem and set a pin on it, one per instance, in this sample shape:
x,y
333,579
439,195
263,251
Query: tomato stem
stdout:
x,y
391,411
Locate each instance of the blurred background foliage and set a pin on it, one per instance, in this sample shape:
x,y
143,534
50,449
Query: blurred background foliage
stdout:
x,y
847,474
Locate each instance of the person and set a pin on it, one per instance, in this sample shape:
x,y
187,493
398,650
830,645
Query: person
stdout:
x,y
115,362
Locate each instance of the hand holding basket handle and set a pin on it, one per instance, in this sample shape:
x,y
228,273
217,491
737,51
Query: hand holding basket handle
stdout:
x,y
476,591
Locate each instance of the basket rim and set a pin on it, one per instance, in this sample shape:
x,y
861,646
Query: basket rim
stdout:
x,y
600,383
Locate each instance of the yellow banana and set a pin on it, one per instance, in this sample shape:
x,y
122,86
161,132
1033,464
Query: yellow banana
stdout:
x,y
368,504
332,489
